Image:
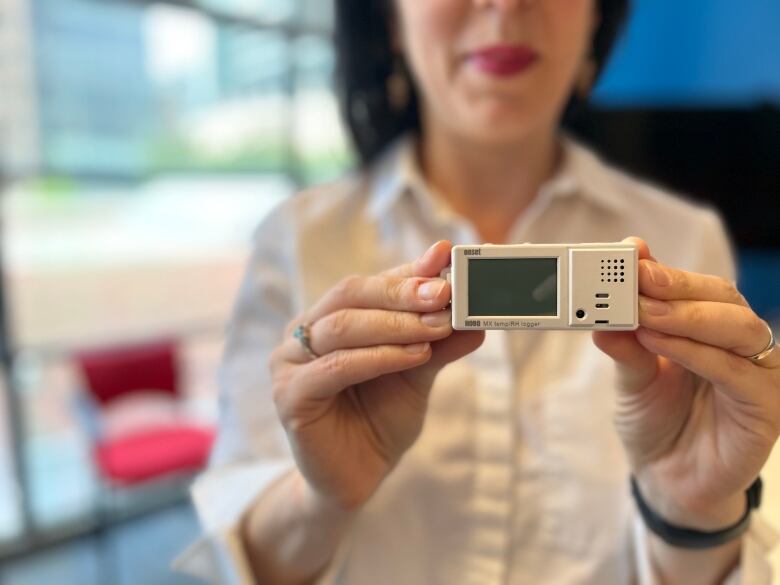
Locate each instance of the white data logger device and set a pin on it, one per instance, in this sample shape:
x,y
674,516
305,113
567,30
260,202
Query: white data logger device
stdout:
x,y
544,286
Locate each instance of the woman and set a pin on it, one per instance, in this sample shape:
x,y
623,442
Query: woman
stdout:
x,y
363,441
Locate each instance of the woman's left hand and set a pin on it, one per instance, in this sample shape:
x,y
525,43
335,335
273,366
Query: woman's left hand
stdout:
x,y
697,417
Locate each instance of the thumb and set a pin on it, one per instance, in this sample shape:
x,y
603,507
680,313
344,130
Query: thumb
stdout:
x,y
445,351
636,366
644,249
429,265
457,344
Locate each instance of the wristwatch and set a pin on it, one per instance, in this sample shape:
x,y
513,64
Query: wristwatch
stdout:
x,y
682,537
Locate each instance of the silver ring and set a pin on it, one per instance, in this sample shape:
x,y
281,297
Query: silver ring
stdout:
x,y
767,351
303,334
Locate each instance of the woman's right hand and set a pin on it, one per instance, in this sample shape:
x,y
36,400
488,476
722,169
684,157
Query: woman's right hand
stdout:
x,y
351,413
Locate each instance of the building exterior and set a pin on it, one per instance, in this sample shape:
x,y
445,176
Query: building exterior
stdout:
x,y
74,96
94,100
19,140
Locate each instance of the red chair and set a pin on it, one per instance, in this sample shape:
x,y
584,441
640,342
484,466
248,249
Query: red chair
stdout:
x,y
162,447
153,452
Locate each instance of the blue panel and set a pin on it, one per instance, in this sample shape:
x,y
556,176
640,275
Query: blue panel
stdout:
x,y
759,280
696,52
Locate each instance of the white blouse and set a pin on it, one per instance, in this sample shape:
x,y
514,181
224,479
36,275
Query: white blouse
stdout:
x,y
518,475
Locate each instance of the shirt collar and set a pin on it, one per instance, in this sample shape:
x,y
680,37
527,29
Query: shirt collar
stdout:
x,y
395,173
581,174
594,180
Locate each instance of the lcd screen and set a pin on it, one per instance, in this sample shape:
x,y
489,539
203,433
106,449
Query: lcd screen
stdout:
x,y
513,287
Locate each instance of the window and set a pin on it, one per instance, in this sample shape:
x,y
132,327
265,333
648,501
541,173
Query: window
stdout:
x,y
140,144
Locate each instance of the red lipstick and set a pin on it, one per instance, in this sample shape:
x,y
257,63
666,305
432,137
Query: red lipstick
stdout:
x,y
504,60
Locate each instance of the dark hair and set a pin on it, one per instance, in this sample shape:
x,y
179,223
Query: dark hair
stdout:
x,y
366,60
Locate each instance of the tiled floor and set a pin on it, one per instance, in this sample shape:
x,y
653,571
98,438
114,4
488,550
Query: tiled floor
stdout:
x,y
142,550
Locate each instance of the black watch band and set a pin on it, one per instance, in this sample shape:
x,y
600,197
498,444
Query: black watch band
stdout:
x,y
682,537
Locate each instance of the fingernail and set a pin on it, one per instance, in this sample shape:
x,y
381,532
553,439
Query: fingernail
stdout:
x,y
657,274
654,333
417,348
431,289
436,319
654,307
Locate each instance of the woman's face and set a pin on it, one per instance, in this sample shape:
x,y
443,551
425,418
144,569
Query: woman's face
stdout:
x,y
495,71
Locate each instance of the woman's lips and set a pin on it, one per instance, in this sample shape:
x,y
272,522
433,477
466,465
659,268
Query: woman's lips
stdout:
x,y
503,60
